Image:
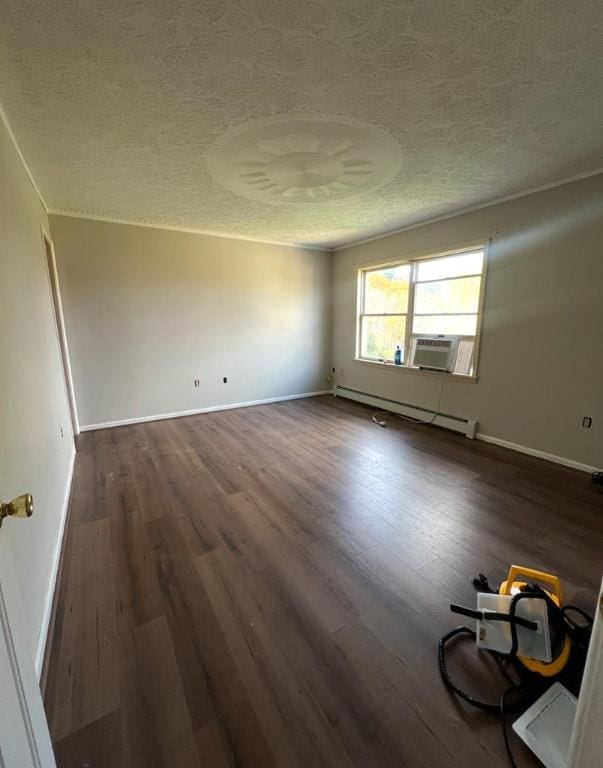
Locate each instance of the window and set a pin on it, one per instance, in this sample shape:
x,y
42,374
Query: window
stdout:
x,y
435,296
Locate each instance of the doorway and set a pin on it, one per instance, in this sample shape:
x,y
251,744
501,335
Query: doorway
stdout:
x,y
57,306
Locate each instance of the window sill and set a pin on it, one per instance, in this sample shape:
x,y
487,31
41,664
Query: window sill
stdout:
x,y
420,371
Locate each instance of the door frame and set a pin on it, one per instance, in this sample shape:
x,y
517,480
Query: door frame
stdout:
x,y
57,310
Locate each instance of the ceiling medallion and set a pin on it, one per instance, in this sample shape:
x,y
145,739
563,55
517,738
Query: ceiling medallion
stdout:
x,y
293,159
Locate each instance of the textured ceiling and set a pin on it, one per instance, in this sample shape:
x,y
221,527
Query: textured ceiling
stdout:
x,y
118,105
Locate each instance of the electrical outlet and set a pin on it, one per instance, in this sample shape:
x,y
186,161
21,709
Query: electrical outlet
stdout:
x,y
587,422
62,433
197,382
225,380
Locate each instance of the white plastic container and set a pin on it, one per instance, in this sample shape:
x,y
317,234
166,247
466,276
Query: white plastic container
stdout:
x,y
496,635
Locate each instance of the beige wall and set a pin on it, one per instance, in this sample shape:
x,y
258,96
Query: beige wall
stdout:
x,y
541,360
148,311
33,408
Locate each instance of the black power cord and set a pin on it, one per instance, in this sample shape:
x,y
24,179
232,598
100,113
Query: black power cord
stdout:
x,y
503,719
475,702
499,707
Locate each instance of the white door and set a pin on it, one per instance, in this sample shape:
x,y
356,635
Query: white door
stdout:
x,y
24,737
586,748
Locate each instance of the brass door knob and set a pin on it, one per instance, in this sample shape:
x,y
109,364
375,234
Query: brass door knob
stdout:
x,y
22,506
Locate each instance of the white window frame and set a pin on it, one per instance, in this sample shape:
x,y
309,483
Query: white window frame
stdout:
x,y
363,272
414,262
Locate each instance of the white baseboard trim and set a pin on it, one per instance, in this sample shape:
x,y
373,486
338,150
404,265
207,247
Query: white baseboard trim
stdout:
x,y
52,584
195,411
538,454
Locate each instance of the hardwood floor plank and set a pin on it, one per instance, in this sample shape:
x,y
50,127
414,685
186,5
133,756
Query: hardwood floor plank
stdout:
x,y
135,588
212,685
86,684
213,747
297,731
397,717
288,563
156,727
96,745
149,490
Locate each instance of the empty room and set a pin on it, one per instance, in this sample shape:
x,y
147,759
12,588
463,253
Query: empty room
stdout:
x,y
301,384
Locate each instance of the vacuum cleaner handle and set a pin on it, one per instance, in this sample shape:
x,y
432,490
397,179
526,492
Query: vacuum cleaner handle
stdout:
x,y
531,574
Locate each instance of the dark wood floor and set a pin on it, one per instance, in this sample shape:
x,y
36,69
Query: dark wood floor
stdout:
x,y
266,587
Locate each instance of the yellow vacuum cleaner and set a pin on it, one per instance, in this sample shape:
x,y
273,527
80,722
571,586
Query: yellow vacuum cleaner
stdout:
x,y
529,631
560,642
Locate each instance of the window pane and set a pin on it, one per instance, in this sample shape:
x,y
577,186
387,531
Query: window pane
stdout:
x,y
386,290
460,295
449,325
380,335
451,266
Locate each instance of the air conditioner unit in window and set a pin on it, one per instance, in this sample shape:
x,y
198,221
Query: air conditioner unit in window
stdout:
x,y
437,353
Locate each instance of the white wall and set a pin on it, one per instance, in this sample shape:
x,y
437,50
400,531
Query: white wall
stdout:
x,y
147,311
33,407
541,360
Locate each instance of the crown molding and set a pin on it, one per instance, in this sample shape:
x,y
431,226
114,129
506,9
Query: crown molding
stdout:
x,y
13,138
187,230
470,209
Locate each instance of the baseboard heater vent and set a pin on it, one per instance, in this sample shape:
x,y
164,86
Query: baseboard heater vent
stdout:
x,y
467,427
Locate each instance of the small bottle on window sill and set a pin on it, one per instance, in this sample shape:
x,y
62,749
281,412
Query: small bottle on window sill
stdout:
x,y
398,356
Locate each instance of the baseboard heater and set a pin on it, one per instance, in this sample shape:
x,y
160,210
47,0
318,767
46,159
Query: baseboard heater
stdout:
x,y
467,427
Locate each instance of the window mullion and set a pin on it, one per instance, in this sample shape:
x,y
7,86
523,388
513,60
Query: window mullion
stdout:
x,y
362,309
410,312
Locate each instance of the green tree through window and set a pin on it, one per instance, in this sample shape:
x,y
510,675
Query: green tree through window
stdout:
x,y
385,306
